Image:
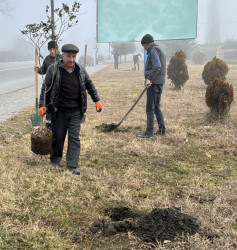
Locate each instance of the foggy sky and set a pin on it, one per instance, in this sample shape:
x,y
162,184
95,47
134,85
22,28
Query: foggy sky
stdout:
x,y
31,11
228,19
81,34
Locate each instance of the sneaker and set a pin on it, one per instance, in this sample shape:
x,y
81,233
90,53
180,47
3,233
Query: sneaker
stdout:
x,y
57,164
145,136
74,171
160,132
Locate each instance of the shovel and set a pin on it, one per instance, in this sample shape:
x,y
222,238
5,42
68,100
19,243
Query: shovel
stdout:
x,y
113,126
36,118
110,127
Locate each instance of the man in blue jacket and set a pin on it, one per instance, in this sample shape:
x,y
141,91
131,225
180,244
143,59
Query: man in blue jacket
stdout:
x,y
67,84
155,72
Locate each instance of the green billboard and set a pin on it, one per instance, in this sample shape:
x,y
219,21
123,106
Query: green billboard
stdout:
x,y
129,20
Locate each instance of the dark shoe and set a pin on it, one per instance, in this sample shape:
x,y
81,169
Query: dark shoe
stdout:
x,y
57,164
145,136
74,171
160,132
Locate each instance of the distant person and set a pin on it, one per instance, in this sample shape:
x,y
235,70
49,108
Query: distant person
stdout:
x,y
116,58
49,59
155,71
136,61
67,103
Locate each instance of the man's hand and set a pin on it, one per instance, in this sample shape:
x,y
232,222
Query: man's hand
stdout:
x,y
148,83
36,69
99,106
42,111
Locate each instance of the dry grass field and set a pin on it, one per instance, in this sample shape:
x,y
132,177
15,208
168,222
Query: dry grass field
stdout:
x,y
173,192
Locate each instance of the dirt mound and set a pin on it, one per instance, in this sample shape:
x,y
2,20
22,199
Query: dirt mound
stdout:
x,y
106,127
112,127
166,224
120,213
158,225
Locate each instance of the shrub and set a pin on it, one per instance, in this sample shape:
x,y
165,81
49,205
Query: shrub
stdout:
x,y
198,57
219,96
216,68
177,69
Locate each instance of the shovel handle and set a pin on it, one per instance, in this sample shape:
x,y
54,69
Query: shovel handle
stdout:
x,y
36,78
139,97
134,104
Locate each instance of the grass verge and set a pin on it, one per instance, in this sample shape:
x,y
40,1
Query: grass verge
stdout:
x,y
192,170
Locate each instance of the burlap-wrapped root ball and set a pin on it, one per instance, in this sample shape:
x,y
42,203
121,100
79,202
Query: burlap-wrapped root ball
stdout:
x,y
41,141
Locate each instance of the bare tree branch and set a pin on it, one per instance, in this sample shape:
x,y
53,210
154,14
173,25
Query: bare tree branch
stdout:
x,y
5,8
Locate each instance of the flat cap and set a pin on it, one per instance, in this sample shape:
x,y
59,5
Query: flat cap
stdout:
x,y
70,48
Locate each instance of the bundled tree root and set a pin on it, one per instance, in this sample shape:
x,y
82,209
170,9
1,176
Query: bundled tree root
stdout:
x,y
41,141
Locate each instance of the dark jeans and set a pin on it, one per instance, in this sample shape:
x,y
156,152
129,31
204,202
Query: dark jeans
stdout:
x,y
48,116
153,108
63,122
48,120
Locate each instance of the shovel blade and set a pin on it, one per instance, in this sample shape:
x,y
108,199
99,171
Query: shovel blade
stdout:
x,y
107,127
36,119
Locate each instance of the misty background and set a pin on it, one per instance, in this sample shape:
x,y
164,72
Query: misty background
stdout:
x,y
216,24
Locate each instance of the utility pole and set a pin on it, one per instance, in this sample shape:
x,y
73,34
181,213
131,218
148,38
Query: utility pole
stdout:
x,y
52,20
97,45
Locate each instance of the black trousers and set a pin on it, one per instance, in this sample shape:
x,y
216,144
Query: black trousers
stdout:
x,y
63,122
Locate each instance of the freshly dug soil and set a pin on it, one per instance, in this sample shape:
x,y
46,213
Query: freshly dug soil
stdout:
x,y
159,225
41,141
166,224
113,127
107,127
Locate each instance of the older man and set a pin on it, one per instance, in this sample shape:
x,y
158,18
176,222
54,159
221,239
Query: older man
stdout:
x,y
67,85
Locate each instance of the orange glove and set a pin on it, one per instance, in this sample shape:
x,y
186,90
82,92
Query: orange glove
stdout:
x,y
42,111
99,106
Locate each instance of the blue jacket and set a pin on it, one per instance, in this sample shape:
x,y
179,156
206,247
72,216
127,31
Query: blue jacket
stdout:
x,y
156,60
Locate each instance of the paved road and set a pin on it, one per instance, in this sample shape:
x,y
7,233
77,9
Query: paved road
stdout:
x,y
16,75
17,94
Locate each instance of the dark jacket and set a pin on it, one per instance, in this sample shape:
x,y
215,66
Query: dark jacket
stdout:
x,y
47,62
156,60
52,96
